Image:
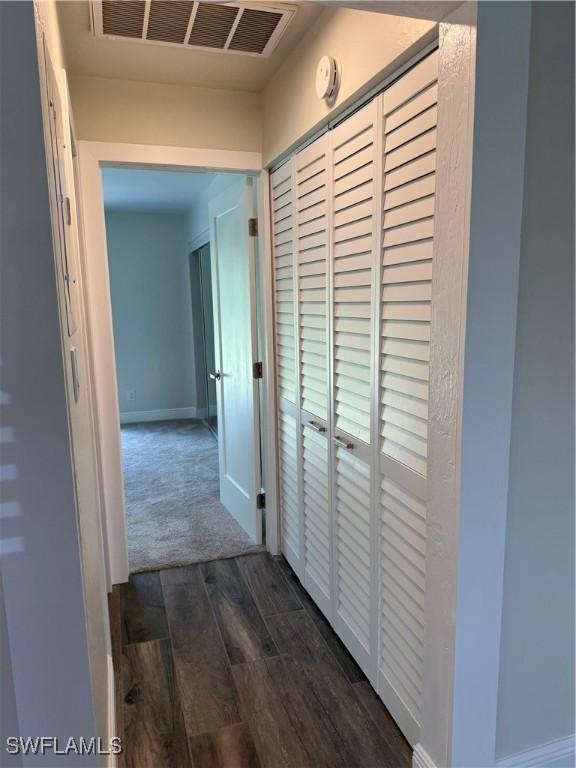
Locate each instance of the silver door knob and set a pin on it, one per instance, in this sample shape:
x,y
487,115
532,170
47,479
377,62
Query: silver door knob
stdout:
x,y
216,375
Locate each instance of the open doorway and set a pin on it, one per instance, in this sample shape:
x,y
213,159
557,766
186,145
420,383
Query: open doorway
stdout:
x,y
203,323
165,289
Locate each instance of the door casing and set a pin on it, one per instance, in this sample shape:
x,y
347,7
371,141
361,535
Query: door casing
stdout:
x,y
92,157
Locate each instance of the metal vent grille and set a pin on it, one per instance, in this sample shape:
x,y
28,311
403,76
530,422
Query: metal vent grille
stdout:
x,y
124,19
254,30
251,29
212,25
168,20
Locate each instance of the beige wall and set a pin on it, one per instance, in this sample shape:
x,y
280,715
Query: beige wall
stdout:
x,y
368,46
169,115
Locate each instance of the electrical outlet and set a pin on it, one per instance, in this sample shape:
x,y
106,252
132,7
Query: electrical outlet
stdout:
x,y
131,395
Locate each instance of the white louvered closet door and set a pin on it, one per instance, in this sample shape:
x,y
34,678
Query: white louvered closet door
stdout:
x,y
354,218
311,237
409,110
353,229
281,201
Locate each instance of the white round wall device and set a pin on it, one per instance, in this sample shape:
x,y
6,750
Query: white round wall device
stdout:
x,y
326,78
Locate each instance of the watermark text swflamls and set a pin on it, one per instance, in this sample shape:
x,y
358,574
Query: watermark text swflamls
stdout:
x,y
52,745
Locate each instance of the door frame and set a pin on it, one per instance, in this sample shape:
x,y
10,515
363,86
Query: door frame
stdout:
x,y
92,156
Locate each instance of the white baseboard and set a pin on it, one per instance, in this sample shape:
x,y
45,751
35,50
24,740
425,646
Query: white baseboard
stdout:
x,y
166,414
421,758
112,759
555,754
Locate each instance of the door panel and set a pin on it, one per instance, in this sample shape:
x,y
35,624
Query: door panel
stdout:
x,y
311,181
409,130
236,349
286,327
353,200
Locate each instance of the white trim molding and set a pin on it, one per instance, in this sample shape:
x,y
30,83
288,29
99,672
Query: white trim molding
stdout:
x,y
163,414
555,754
93,155
421,758
202,238
112,724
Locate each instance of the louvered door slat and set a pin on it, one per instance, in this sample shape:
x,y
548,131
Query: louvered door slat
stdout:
x,y
284,288
353,168
289,496
409,143
311,243
310,173
317,547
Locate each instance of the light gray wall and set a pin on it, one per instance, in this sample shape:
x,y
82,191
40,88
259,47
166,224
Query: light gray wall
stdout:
x,y
45,621
203,320
536,691
152,310
496,190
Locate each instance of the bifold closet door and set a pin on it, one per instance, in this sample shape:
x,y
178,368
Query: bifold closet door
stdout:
x,y
353,165
409,109
281,201
353,229
311,244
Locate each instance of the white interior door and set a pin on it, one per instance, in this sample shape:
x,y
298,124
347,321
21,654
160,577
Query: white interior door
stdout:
x,y
235,338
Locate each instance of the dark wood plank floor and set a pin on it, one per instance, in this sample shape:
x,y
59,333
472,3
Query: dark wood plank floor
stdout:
x,y
230,664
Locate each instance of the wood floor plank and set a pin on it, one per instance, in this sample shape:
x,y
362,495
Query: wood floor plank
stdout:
x,y
182,575
143,612
385,724
277,742
243,630
271,591
154,733
231,747
208,695
306,713
297,636
345,660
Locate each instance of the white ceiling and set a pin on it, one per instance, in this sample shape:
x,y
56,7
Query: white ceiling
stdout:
x,y
138,190
133,60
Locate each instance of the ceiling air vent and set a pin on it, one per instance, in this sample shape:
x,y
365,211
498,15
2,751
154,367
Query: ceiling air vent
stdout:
x,y
251,29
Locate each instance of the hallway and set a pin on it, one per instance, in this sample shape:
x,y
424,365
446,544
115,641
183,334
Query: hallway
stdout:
x,y
230,663
171,486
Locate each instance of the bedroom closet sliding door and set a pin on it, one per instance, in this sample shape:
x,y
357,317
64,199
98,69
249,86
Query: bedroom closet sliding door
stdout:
x,y
353,228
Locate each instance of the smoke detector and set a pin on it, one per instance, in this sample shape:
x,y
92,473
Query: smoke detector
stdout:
x,y
327,78
250,29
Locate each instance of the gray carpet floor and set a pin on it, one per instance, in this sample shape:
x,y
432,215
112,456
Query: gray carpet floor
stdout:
x,y
171,487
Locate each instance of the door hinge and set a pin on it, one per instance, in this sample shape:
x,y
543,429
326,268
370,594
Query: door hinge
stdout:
x,y
253,227
261,501
257,370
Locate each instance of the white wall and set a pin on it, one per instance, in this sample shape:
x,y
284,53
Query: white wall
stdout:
x,y
368,46
536,692
169,115
151,311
